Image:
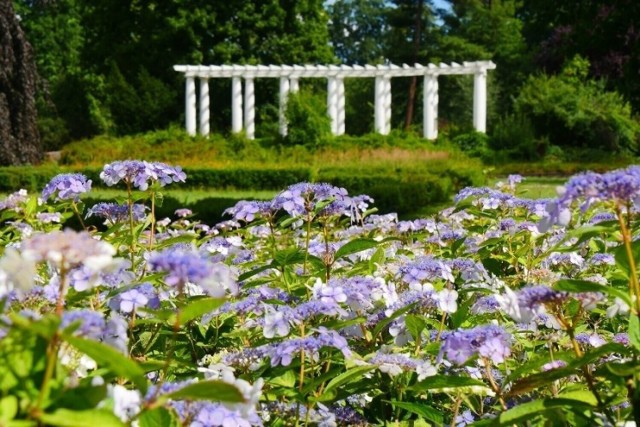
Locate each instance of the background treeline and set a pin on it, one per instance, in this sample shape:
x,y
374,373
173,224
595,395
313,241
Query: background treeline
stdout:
x,y
566,81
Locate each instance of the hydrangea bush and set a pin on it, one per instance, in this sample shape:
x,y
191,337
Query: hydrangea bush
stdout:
x,y
310,309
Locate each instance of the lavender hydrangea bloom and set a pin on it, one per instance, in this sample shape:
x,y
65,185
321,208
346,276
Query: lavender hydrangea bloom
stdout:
x,y
464,419
621,186
425,269
69,249
67,186
141,174
14,200
114,213
181,266
49,217
490,341
302,198
132,300
524,305
186,266
249,210
284,352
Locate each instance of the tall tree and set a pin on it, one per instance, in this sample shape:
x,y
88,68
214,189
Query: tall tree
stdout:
x,y
412,28
357,29
110,63
606,33
488,30
19,138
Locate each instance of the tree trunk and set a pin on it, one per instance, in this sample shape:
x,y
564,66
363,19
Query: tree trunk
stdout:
x,y
19,137
417,34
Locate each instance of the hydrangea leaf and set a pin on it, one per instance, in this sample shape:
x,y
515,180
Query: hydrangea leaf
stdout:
x,y
67,418
425,411
214,390
107,356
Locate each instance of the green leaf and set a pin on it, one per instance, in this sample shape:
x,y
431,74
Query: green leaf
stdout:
x,y
622,260
347,377
8,407
355,246
573,285
196,308
634,330
248,274
383,323
542,379
213,390
288,380
92,417
288,257
415,325
526,411
425,411
444,383
376,258
158,417
112,359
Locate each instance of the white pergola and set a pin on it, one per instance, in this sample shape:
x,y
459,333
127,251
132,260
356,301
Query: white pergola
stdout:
x,y
290,75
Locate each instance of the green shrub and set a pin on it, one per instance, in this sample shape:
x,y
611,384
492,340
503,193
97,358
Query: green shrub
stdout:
x,y
573,110
473,144
514,135
307,119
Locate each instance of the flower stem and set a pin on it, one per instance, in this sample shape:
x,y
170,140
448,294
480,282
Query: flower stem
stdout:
x,y
77,212
634,285
153,220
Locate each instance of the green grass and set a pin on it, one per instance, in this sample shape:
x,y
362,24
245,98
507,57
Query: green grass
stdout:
x,y
535,187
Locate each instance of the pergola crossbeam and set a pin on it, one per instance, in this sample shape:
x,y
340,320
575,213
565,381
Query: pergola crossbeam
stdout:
x,y
243,107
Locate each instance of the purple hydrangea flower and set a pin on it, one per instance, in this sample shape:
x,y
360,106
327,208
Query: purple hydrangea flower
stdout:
x,y
249,210
132,300
141,174
67,186
490,341
114,213
14,200
187,266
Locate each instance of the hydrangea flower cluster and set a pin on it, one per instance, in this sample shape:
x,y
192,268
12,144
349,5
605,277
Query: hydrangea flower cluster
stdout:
x,y
67,186
489,341
114,213
463,315
141,174
185,266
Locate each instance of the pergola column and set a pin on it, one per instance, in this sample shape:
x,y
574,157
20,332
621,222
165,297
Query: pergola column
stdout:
x,y
379,108
204,116
387,105
284,94
332,103
430,107
236,105
190,105
340,106
294,85
249,108
480,101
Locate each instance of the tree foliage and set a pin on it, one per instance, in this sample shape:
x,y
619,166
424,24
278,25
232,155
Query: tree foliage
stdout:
x,y
107,67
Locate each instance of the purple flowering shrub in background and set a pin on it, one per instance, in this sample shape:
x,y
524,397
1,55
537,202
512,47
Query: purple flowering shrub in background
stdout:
x,y
309,309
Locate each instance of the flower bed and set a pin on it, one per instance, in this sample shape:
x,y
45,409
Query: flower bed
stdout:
x,y
311,309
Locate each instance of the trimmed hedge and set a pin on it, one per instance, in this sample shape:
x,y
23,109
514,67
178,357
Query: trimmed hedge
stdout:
x,y
401,190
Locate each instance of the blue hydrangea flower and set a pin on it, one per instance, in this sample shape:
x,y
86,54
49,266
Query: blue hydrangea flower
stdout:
x,y
67,186
141,174
114,213
490,341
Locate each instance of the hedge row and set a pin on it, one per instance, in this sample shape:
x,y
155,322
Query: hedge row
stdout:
x,y
399,190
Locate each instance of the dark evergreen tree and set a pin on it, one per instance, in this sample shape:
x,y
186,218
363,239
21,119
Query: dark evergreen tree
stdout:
x,y
19,137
